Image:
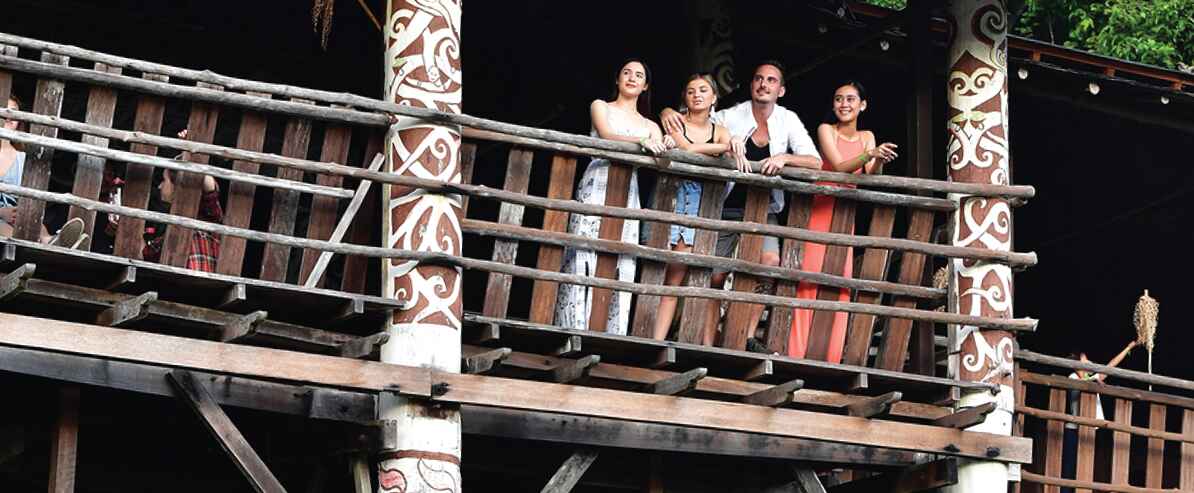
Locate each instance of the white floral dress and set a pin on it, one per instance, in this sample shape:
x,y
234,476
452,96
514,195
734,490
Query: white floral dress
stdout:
x,y
574,302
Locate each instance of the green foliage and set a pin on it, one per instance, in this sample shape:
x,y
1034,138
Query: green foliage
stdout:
x,y
890,4
1156,32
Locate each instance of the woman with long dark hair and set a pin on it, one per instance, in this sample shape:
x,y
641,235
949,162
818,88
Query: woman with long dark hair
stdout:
x,y
621,119
846,149
697,134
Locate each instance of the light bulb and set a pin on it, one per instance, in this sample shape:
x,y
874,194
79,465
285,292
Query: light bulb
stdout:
x,y
1093,88
1023,73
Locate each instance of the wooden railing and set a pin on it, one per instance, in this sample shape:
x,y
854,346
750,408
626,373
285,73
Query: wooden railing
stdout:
x,y
334,183
1139,441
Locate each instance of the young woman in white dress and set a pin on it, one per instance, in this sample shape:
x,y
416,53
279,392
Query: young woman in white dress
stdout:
x,y
620,119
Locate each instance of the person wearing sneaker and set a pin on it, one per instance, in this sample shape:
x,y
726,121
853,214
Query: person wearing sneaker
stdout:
x,y
12,168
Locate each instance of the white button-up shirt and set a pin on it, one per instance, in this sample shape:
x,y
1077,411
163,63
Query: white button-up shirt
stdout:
x,y
785,133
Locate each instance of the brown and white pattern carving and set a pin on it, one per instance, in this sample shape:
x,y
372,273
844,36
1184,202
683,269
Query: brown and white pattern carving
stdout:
x,y
423,68
978,152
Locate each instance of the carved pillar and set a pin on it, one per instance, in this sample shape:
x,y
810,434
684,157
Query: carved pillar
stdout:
x,y
422,68
713,42
978,152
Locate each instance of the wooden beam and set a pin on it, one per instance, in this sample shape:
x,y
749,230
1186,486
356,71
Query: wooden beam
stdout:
x,y
47,100
13,283
808,482
127,276
483,363
243,326
234,444
362,476
126,311
874,406
570,347
1032,477
354,206
363,347
551,258
1128,393
922,477
571,370
235,296
1138,376
967,417
570,472
764,369
776,396
678,384
666,358
518,178
64,447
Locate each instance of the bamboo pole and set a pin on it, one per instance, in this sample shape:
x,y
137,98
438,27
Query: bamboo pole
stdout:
x,y
373,106
435,258
171,164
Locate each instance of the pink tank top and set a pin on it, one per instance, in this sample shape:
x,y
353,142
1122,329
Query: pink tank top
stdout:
x,y
847,150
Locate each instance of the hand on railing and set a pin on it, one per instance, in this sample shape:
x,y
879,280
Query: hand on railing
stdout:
x,y
656,146
738,150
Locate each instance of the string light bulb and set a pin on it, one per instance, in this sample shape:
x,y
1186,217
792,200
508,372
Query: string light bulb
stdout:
x,y
884,44
1093,88
1164,99
1023,73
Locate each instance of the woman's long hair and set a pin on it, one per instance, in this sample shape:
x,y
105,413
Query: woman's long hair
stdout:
x,y
830,116
644,98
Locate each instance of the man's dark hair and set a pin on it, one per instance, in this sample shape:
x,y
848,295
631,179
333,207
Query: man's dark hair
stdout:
x,y
778,66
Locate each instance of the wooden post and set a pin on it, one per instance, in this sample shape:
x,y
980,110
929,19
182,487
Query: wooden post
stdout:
x,y
422,68
978,152
64,448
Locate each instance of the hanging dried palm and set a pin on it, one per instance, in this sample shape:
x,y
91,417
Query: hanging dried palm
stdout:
x,y
1145,320
321,20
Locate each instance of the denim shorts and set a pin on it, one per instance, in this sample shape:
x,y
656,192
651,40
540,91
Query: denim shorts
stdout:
x,y
688,202
728,242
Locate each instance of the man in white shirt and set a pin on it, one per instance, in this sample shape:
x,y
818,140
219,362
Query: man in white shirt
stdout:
x,y
762,131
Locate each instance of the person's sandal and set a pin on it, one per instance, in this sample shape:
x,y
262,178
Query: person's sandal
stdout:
x,y
71,234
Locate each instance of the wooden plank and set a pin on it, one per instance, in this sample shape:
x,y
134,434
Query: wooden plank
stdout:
x,y
820,336
47,101
894,346
6,76
359,197
239,212
64,447
362,475
684,411
572,370
518,178
551,258
324,210
807,482
780,321
1121,448
221,427
1187,454
737,327
284,210
776,396
484,362
1054,438
922,477
1086,440
1133,375
364,226
875,263
1128,393
617,193
1055,483
89,170
468,158
874,406
966,418
1154,465
647,307
679,383
299,400
129,310
138,178
570,472
188,187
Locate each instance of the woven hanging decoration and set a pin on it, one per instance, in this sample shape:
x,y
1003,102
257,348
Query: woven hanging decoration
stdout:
x,y
1145,320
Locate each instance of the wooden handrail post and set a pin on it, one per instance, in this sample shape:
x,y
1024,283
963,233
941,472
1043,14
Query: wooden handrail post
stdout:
x,y
978,152
426,331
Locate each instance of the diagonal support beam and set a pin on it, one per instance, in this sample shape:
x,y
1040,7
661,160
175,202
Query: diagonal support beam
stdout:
x,y
679,383
967,417
13,283
572,370
478,364
126,311
243,327
776,396
808,482
234,444
875,406
570,472
363,347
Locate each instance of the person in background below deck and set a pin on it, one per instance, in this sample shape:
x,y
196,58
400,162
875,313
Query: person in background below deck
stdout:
x,y
619,119
848,150
770,134
697,134
1069,460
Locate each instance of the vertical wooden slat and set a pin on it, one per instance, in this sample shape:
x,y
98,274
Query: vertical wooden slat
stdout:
x,y
239,211
654,273
188,187
875,262
922,349
46,101
750,249
820,334
617,193
89,170
1121,447
780,322
1154,468
1054,439
138,178
518,178
551,258
324,210
894,346
1018,423
1187,473
693,318
364,227
284,212
64,447
468,154
5,76
1086,440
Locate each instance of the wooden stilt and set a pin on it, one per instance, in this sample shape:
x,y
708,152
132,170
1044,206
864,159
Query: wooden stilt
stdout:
x,y
64,447
570,472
